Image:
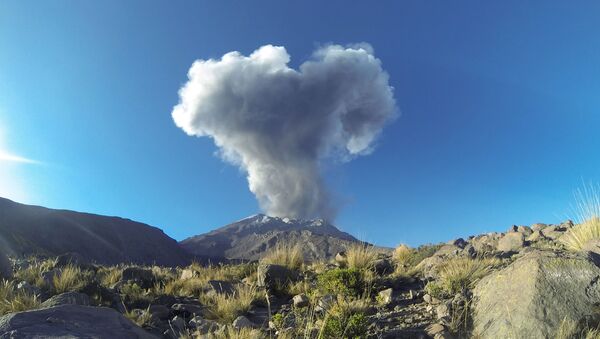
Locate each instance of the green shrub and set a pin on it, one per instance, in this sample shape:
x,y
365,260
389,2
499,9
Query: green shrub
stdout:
x,y
345,281
345,326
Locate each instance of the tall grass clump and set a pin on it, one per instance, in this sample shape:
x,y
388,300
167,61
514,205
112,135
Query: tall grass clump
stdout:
x,y
403,255
12,300
285,254
587,216
460,274
33,273
70,278
361,256
227,307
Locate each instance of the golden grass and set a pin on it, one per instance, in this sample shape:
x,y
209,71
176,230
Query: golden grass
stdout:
x,y
143,318
12,300
403,255
284,254
458,274
231,333
33,273
361,256
587,216
192,287
109,276
70,278
225,307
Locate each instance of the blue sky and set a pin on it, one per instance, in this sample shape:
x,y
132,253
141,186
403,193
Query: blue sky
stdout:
x,y
499,110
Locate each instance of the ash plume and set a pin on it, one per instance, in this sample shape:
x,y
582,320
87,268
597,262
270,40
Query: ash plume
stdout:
x,y
278,124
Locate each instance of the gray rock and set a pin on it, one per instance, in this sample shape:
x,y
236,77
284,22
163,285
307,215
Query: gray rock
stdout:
x,y
75,259
531,297
383,266
141,276
187,310
70,321
187,274
388,296
442,311
68,298
159,312
301,300
178,323
511,242
460,242
340,258
272,276
536,236
538,227
526,230
242,322
204,326
220,287
6,271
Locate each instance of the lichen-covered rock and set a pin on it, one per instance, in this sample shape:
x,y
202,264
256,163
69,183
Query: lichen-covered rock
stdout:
x,y
70,321
531,297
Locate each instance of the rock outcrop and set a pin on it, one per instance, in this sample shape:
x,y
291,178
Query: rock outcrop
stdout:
x,y
70,321
535,294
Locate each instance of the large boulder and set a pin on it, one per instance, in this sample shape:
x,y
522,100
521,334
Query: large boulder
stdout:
x,y
70,321
535,294
68,298
511,242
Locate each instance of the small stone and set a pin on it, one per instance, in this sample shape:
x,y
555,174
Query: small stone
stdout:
x,y
242,322
325,302
427,298
187,274
387,296
434,329
443,311
340,258
301,300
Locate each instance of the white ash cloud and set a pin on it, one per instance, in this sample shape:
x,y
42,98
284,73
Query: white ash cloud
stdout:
x,y
278,124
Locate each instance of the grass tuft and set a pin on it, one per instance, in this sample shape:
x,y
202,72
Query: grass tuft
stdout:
x,y
227,307
361,256
70,278
285,254
12,300
587,215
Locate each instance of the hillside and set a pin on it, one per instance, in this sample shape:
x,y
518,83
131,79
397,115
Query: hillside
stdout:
x,y
33,230
251,237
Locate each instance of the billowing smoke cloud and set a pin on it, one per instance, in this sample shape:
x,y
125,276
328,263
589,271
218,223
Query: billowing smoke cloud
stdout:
x,y
278,124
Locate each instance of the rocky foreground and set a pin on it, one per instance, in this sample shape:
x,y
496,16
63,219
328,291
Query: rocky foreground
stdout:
x,y
524,283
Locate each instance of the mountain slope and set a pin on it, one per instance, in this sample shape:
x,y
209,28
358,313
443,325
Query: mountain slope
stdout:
x,y
27,230
249,238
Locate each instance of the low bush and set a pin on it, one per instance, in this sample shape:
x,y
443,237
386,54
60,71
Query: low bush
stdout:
x,y
344,281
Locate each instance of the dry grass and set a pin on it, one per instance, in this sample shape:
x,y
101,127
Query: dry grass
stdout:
x,y
403,255
587,215
70,278
285,254
226,307
361,256
33,273
456,275
193,287
143,318
109,276
230,333
12,300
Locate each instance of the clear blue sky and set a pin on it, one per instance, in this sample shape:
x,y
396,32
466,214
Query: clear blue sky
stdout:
x,y
500,110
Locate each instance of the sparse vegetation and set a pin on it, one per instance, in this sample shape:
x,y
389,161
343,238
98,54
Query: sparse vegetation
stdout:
x,y
344,281
70,278
285,254
361,256
403,255
459,274
227,307
587,212
140,317
12,300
